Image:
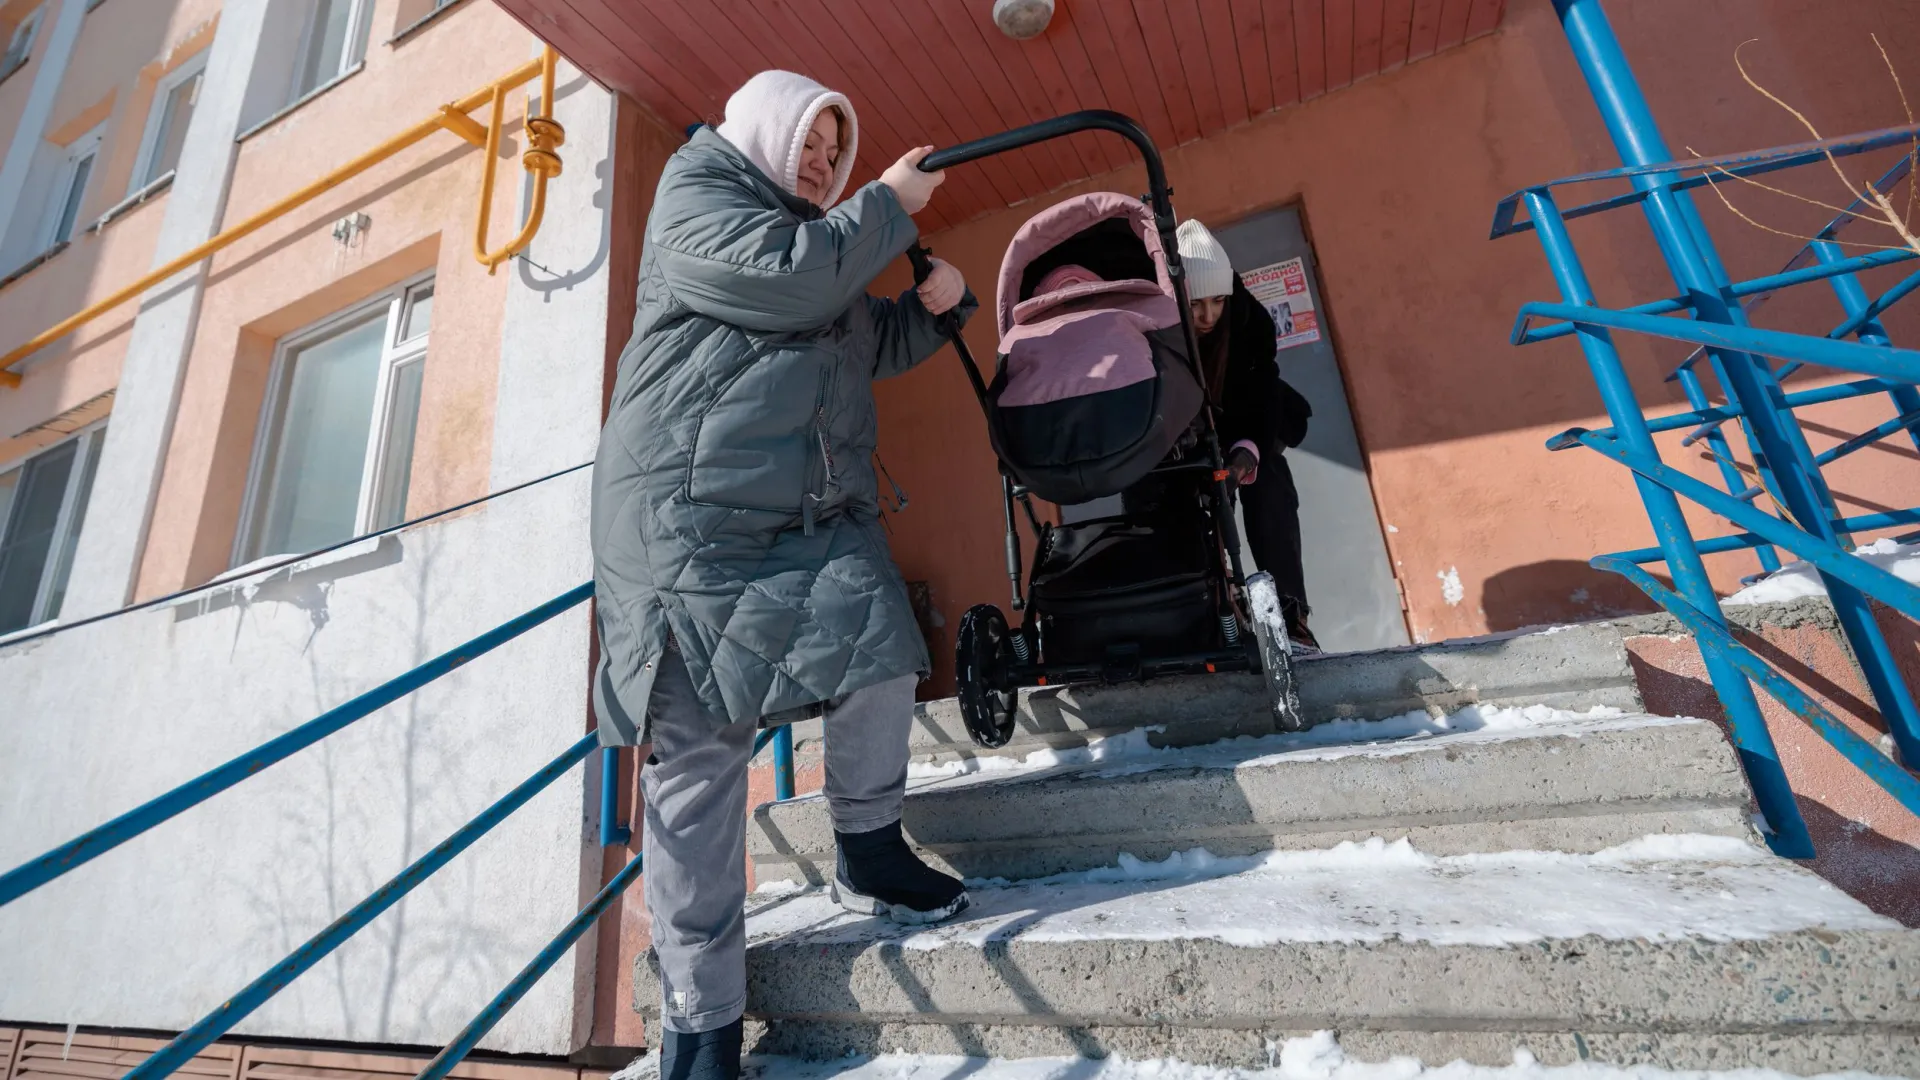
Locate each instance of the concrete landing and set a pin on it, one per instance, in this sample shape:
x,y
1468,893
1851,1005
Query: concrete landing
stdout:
x,y
1562,784
1681,952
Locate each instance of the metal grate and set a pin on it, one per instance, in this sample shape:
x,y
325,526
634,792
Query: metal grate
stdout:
x,y
46,1054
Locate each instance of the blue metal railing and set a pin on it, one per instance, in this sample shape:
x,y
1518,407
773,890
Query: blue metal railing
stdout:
x,y
75,853
1708,312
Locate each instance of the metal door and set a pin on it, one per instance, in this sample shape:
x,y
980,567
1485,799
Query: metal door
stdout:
x,y
1350,581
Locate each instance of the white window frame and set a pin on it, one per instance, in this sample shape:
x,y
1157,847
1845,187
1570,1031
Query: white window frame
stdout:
x,y
395,356
85,148
156,115
359,25
91,439
20,43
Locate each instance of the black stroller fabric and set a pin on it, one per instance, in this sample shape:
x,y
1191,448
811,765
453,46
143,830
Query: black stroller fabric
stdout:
x,y
1137,580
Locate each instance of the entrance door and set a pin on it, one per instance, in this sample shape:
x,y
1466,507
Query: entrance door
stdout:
x,y
1350,583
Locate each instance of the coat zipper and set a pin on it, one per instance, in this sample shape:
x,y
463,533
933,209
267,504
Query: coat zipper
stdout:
x,y
811,502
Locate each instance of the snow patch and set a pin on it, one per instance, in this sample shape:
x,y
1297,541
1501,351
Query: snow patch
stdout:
x,y
1669,888
778,888
1133,752
1132,744
1797,580
1314,1057
1450,586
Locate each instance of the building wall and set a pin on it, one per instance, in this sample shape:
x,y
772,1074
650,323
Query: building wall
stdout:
x,y
157,933
422,206
121,54
1397,178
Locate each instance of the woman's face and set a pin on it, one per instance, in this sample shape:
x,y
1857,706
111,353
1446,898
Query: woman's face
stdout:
x,y
818,158
1207,312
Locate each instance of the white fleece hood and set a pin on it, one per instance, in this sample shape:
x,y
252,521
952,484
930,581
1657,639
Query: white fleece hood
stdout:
x,y
768,120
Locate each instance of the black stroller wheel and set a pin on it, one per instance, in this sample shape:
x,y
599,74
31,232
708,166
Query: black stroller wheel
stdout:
x,y
983,665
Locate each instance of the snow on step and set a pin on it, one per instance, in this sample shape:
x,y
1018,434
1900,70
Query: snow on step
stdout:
x,y
1319,1056
1680,951
1480,779
1660,888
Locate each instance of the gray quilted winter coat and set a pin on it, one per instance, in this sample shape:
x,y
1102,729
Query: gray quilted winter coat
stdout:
x,y
734,496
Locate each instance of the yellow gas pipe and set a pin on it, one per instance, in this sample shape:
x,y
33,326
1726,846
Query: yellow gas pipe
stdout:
x,y
542,132
544,135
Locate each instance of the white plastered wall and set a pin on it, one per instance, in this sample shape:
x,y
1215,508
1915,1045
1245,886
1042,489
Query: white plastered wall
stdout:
x,y
97,719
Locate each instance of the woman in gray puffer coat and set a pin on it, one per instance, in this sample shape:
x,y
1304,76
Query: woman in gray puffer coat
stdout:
x,y
741,571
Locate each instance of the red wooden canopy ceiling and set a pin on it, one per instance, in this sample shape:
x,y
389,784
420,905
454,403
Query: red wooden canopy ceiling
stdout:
x,y
939,72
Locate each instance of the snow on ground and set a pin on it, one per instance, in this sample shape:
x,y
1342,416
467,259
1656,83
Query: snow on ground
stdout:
x,y
1659,888
1315,1057
1800,579
1133,752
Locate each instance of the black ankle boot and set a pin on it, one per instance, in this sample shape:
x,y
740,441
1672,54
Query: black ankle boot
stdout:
x,y
878,874
706,1055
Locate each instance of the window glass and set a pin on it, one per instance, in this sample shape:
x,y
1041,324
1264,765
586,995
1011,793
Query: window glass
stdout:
x,y
336,39
176,111
396,461
70,199
419,317
313,493
20,46
63,560
9,482
29,535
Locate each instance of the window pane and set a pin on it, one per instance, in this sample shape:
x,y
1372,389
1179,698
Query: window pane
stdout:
x,y
29,533
419,313
396,458
70,202
326,44
174,116
63,562
321,449
9,481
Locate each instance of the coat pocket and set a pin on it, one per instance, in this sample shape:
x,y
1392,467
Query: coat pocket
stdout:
x,y
758,444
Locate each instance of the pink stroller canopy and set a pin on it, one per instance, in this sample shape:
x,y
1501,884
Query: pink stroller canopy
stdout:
x,y
1086,337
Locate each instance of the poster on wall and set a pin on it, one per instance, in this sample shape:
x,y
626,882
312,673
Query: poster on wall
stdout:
x,y
1282,288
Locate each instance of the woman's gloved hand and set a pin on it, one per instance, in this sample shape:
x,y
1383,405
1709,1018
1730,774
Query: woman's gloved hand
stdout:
x,y
943,289
1241,463
911,186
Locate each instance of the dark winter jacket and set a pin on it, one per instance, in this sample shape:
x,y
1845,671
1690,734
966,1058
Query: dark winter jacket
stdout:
x,y
734,501
1257,405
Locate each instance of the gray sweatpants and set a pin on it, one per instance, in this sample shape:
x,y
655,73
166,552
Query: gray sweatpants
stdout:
x,y
695,788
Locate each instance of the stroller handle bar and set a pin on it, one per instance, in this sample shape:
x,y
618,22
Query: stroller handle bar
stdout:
x,y
1059,127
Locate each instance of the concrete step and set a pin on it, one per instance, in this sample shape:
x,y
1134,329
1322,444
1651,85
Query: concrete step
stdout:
x,y
1677,952
1573,667
1567,785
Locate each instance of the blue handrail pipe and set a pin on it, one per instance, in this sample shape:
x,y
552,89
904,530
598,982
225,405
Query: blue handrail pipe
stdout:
x,y
1708,312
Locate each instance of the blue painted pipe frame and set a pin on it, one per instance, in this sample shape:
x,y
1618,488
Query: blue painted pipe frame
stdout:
x,y
1716,639
456,1051
91,845
1830,561
613,831
218,1022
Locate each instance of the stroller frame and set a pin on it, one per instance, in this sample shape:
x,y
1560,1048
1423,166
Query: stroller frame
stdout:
x,y
993,661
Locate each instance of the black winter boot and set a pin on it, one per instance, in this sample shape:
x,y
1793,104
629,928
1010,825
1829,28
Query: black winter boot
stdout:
x,y
707,1055
878,874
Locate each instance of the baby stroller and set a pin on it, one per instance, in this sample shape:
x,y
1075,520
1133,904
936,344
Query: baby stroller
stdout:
x,y
1097,393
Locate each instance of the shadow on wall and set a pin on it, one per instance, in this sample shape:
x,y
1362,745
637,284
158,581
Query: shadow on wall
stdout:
x,y
1553,590
1860,859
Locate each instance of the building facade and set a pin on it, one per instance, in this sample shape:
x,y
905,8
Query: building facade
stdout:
x,y
348,364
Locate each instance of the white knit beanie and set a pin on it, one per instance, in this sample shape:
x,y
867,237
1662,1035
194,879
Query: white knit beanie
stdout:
x,y
1209,271
769,117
